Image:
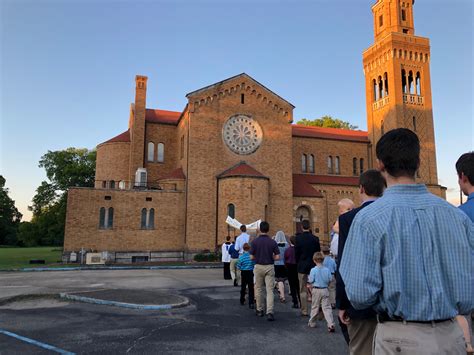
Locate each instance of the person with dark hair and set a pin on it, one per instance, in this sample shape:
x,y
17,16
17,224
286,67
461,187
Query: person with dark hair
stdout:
x,y
234,257
226,258
306,245
290,264
360,324
465,170
264,251
242,239
246,265
409,255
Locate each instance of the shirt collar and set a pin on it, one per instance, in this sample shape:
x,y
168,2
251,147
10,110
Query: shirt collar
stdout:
x,y
470,196
406,189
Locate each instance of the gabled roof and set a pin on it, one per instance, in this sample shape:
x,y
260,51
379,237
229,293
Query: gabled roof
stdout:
x,y
162,116
176,174
122,137
241,169
244,76
327,179
329,133
301,188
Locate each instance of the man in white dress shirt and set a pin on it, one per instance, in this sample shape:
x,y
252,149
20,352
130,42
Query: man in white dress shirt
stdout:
x,y
242,239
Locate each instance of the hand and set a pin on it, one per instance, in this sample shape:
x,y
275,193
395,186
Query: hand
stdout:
x,y
344,317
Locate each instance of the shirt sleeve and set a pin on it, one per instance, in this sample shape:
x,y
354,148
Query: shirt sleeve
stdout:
x,y
360,267
237,243
311,276
276,250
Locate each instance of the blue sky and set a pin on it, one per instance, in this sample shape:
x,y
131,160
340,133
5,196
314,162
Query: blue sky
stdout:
x,y
68,67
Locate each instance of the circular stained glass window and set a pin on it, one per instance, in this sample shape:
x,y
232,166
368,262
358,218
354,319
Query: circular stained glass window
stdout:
x,y
242,134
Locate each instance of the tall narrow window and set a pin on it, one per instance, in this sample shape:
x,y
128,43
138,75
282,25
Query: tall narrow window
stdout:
x,y
374,84
161,152
380,87
361,165
354,166
410,82
143,219
418,83
330,165
102,218
231,210
104,184
404,15
151,151
112,184
414,123
110,218
380,20
404,81
242,98
385,77
311,163
151,219
338,166
303,163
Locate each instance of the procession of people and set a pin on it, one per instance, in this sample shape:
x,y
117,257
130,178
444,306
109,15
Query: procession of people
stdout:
x,y
399,268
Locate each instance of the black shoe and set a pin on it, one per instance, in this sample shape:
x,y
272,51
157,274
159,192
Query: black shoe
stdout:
x,y
251,306
270,317
259,313
235,283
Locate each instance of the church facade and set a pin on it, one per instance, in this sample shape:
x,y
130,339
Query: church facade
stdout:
x,y
166,185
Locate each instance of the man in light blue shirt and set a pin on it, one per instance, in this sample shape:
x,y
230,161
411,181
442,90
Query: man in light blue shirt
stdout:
x,y
465,170
409,255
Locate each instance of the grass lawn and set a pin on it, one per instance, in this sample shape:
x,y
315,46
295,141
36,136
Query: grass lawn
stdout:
x,y
12,258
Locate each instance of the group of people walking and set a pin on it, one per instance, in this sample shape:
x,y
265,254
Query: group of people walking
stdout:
x,y
401,264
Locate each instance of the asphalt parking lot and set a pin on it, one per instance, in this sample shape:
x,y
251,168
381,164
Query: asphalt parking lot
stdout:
x,y
214,322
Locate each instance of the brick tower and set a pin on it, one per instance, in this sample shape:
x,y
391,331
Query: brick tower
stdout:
x,y
398,84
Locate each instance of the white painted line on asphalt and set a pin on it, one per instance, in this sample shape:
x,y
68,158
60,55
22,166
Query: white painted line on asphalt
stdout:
x,y
37,343
14,286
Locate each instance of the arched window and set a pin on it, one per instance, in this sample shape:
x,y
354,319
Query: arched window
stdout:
x,y
303,163
231,210
361,165
374,84
161,152
151,219
122,185
102,218
311,163
151,151
418,83
143,219
112,184
110,218
104,184
330,165
354,166
380,88
338,166
385,78
404,81
410,82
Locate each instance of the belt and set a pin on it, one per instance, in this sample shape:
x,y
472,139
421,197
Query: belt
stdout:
x,y
319,288
384,317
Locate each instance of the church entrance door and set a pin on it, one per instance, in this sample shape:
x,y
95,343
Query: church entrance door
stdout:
x,y
302,213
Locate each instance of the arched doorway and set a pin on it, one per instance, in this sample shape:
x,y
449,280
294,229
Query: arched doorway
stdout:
x,y
302,213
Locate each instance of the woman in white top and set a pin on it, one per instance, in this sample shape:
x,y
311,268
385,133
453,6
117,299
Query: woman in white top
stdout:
x,y
226,258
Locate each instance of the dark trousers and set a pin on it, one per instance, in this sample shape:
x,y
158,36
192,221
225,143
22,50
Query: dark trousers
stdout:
x,y
294,283
246,280
227,275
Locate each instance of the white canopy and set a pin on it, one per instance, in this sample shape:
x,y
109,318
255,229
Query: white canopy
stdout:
x,y
236,224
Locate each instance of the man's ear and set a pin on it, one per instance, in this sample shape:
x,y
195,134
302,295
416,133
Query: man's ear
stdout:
x,y
361,190
463,178
379,165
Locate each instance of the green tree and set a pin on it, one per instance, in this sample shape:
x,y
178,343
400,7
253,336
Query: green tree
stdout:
x,y
10,217
71,167
327,122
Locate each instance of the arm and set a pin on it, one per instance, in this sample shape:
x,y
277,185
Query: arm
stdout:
x,y
311,276
297,250
361,266
276,252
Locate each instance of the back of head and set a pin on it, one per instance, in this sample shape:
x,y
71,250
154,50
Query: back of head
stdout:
x,y
399,151
227,238
325,250
243,228
264,227
246,246
372,182
465,166
345,205
318,257
280,237
305,225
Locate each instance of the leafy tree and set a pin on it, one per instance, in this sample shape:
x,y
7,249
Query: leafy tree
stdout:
x,y
10,217
327,122
71,167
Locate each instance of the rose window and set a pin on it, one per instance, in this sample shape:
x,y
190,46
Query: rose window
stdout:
x,y
242,134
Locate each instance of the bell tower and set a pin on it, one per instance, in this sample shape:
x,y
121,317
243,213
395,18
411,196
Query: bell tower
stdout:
x,y
398,84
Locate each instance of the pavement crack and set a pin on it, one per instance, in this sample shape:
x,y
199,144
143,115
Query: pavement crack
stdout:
x,y
139,339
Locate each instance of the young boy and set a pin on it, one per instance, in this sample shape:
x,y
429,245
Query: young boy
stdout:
x,y
330,264
319,278
245,265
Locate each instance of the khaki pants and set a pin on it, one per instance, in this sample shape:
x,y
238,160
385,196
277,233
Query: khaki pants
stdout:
x,y
303,280
264,278
234,272
361,334
321,298
420,339
332,290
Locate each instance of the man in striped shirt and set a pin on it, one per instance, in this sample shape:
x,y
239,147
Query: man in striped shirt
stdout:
x,y
409,256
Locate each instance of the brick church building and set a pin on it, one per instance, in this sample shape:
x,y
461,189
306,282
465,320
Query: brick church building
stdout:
x,y
165,186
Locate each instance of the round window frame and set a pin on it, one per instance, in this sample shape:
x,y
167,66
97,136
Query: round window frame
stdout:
x,y
231,145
